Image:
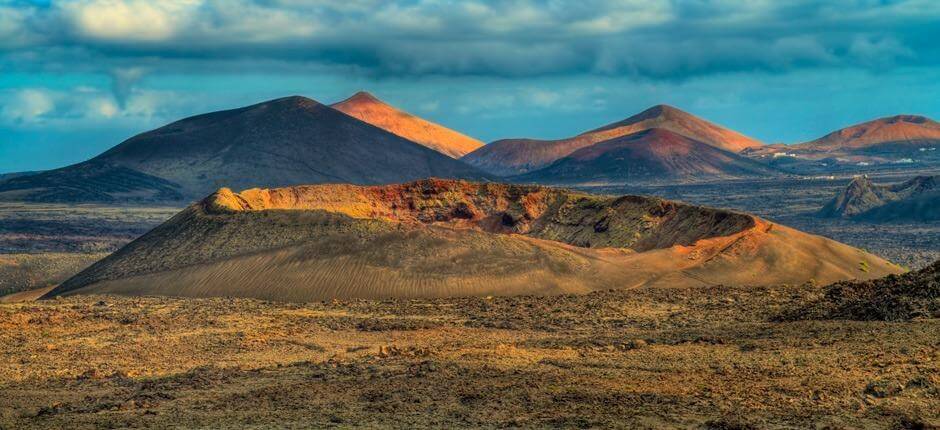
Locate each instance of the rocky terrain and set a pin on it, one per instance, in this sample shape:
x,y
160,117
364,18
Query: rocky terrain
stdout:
x,y
287,141
917,199
27,271
698,357
440,238
911,295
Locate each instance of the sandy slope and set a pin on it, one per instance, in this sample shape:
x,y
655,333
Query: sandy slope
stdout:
x,y
25,296
437,238
368,108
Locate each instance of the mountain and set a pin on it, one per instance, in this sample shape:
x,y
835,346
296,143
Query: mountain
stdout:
x,y
516,156
900,132
11,175
917,199
436,238
287,141
91,181
891,143
651,155
859,196
368,108
684,123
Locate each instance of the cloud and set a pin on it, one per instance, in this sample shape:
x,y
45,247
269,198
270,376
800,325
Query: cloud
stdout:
x,y
653,39
83,106
878,51
122,79
416,39
528,99
127,20
28,106
20,27
102,107
429,106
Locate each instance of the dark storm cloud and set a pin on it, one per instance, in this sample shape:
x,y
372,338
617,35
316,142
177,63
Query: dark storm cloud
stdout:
x,y
521,38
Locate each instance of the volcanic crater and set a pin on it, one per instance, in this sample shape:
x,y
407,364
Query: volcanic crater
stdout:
x,y
437,238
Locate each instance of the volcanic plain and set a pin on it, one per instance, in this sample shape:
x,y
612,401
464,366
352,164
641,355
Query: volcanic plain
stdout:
x,y
698,357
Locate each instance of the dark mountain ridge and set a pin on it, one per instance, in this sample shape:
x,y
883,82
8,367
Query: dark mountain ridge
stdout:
x,y
287,141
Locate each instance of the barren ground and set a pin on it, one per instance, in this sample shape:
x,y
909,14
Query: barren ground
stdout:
x,y
690,358
42,244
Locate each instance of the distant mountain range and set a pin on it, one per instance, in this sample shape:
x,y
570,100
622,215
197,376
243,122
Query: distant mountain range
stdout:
x,y
11,175
889,141
287,141
917,199
518,156
648,156
881,135
363,140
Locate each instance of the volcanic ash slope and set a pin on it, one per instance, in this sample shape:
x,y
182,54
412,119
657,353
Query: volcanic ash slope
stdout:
x,y
436,238
509,157
282,142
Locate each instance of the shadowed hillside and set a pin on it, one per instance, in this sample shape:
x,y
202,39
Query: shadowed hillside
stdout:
x,y
917,199
288,141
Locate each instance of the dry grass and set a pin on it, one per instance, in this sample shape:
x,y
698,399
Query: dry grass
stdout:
x,y
650,358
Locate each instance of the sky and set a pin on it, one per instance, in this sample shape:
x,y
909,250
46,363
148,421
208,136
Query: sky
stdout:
x,y
80,76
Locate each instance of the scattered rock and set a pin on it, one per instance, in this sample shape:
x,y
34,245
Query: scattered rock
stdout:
x,y
892,298
883,388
